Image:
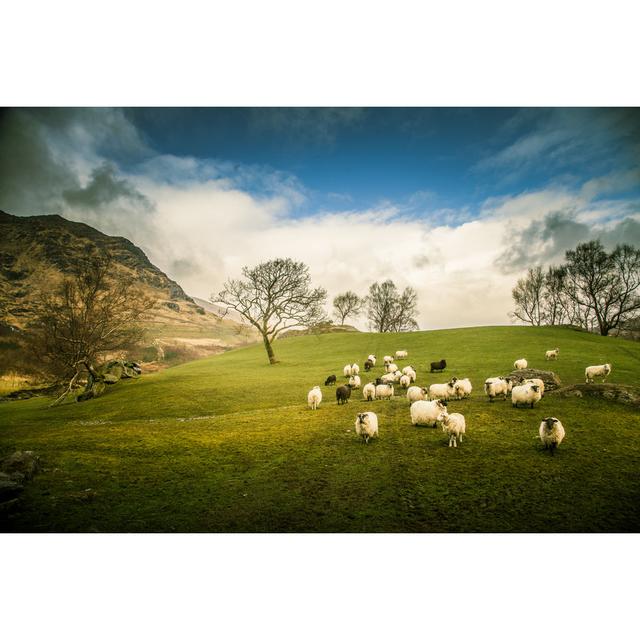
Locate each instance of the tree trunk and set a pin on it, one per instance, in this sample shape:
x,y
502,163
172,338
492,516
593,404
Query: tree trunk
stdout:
x,y
268,347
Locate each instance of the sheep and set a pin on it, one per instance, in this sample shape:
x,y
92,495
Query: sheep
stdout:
x,y
367,425
525,394
596,371
408,368
438,366
462,388
397,375
551,433
384,391
343,394
330,380
405,381
400,355
552,354
379,381
520,364
425,412
387,359
354,382
412,375
416,393
538,381
497,387
368,365
369,391
390,367
454,425
372,358
442,391
347,371
355,369
314,398
388,378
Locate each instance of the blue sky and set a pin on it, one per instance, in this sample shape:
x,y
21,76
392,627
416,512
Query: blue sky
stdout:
x,y
456,203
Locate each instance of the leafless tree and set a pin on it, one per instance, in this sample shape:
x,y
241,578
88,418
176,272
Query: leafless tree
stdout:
x,y
347,304
274,296
391,311
528,297
97,309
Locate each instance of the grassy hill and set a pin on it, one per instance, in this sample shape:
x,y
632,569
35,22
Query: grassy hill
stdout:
x,y
228,444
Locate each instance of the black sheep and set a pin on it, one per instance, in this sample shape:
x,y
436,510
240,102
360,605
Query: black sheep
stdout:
x,y
438,366
330,380
368,365
380,381
343,394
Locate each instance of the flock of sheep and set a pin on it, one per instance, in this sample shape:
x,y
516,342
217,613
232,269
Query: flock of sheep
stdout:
x,y
428,407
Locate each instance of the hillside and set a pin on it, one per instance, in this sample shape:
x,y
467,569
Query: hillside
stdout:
x,y
194,448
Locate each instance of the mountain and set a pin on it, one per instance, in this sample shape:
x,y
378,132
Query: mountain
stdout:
x,y
36,252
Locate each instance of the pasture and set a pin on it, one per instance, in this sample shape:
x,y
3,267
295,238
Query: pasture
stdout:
x,y
227,444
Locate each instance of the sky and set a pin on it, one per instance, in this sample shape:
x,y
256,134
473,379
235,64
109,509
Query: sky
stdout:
x,y
455,202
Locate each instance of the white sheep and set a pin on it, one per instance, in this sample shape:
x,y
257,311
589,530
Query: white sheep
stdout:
x,y
355,369
538,381
551,433
462,388
387,359
354,382
384,391
406,369
552,354
314,398
367,426
454,425
388,378
372,358
416,393
390,367
397,375
400,355
427,413
597,371
405,381
347,371
369,391
520,364
442,391
525,394
499,386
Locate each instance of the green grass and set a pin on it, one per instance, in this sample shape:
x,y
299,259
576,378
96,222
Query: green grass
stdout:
x,y
228,444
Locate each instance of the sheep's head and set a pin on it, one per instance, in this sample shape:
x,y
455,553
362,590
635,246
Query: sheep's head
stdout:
x,y
535,387
424,390
362,418
550,422
607,368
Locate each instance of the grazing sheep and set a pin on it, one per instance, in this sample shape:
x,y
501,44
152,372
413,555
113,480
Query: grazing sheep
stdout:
x,y
355,369
462,388
520,364
438,366
551,433
384,391
499,386
525,394
416,393
454,425
314,398
387,359
367,426
388,378
408,368
552,354
372,358
400,355
597,371
425,412
368,365
369,391
390,367
343,394
354,382
329,381
347,371
405,381
442,391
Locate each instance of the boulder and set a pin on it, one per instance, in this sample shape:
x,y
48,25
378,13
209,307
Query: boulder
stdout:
x,y
21,462
551,380
607,391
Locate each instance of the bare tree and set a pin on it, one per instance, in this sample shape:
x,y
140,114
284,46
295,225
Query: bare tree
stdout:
x,y
391,311
605,284
528,297
274,296
94,311
347,304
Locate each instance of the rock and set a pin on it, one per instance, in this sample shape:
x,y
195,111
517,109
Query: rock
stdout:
x,y
9,490
24,462
612,392
551,380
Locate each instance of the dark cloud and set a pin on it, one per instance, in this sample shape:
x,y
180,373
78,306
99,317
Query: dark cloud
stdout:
x,y
547,241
